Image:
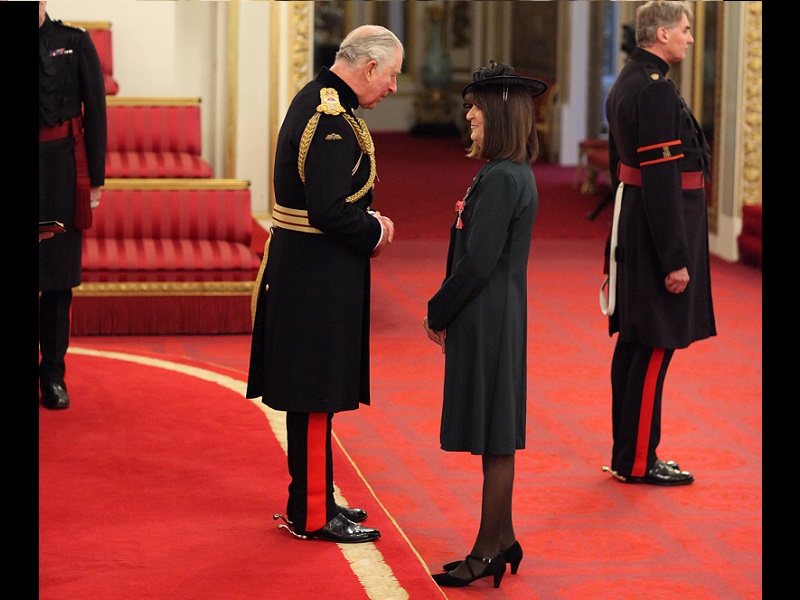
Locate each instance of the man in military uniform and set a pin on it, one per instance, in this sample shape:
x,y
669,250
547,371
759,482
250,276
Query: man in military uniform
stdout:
x,y
72,159
310,346
659,293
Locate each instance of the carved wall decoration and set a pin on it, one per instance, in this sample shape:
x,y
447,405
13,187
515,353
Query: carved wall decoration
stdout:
x,y
302,20
750,167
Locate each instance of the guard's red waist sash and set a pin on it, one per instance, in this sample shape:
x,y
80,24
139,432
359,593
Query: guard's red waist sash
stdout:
x,y
690,180
74,128
57,132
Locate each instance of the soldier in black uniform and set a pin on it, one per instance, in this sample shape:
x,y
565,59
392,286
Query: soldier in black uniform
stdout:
x,y
72,159
659,293
310,346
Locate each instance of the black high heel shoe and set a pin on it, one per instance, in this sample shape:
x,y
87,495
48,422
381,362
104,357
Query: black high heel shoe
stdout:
x,y
513,556
494,566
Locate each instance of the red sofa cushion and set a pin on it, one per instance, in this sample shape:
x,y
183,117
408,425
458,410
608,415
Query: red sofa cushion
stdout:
x,y
190,229
153,138
156,164
154,128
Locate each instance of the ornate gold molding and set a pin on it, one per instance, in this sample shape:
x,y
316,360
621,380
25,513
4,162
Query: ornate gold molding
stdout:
x,y
750,166
151,101
89,24
232,92
302,18
164,183
165,288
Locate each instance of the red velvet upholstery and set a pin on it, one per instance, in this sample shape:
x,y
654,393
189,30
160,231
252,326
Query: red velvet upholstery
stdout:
x,y
596,164
156,164
750,239
171,235
152,138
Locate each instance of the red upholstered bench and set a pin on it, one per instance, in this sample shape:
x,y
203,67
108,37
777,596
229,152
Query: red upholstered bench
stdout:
x,y
585,146
167,257
100,32
749,240
596,164
155,137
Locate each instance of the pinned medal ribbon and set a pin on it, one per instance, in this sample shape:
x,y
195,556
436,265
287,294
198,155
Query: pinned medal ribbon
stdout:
x,y
459,208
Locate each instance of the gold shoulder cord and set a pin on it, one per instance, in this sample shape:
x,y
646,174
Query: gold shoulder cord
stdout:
x,y
330,105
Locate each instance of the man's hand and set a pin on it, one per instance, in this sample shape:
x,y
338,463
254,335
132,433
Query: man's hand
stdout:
x,y
94,196
388,233
676,281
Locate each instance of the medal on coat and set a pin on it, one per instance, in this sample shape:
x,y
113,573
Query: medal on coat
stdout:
x,y
460,208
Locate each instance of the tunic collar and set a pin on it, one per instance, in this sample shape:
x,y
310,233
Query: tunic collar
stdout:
x,y
642,55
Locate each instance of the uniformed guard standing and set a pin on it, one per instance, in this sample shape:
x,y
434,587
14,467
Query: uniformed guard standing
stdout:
x,y
72,162
659,293
310,346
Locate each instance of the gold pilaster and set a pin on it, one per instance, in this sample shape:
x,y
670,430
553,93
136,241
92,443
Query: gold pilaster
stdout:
x,y
750,166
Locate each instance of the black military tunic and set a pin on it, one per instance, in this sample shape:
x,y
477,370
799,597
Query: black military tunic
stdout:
x,y
662,227
70,83
310,346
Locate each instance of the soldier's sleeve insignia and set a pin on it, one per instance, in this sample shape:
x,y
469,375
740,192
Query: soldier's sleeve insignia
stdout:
x,y
329,102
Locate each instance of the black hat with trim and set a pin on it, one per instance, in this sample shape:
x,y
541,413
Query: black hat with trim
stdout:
x,y
501,74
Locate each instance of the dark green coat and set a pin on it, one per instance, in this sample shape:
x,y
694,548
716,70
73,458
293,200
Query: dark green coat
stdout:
x,y
483,305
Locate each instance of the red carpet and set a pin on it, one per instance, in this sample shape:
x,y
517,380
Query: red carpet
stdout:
x,y
168,490
161,480
421,178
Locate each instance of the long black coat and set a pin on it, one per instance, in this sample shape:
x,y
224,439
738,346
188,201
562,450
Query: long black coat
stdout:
x,y
483,305
310,345
662,227
70,81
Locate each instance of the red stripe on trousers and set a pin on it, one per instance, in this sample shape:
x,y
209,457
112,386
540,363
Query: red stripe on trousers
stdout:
x,y
646,412
317,512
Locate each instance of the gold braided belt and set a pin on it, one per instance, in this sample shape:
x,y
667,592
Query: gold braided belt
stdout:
x,y
283,218
292,218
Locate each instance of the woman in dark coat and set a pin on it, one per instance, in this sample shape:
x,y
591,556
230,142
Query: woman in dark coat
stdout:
x,y
479,315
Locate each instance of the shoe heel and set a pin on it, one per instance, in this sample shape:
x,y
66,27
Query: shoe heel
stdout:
x,y
513,556
498,577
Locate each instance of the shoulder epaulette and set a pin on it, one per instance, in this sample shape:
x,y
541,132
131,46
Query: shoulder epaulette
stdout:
x,y
68,25
652,72
329,102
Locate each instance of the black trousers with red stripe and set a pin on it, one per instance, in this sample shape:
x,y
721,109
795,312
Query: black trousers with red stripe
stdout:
x,y
637,381
311,504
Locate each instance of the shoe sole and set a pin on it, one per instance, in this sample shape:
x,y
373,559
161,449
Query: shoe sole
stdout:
x,y
326,539
658,483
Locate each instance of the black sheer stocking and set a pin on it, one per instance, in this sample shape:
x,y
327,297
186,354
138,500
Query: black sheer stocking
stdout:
x,y
496,532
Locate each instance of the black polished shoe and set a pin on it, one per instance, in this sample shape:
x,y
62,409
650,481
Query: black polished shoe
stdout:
x,y
343,531
513,556
54,396
356,515
662,473
494,566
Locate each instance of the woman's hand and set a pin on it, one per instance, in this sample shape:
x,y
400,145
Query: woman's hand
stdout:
x,y
435,336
